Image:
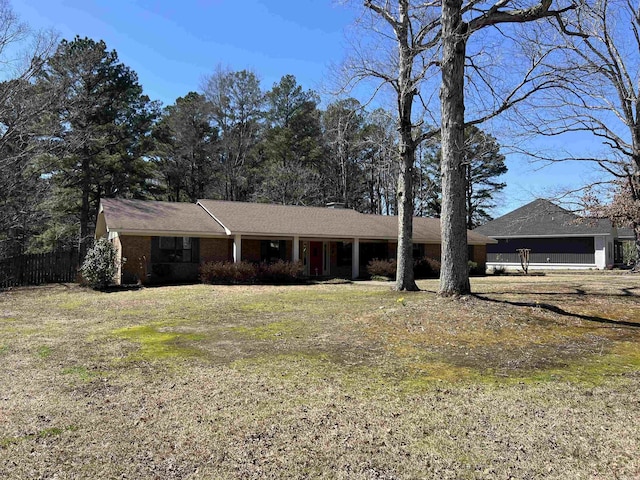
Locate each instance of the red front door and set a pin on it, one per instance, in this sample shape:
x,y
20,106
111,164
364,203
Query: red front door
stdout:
x,y
315,258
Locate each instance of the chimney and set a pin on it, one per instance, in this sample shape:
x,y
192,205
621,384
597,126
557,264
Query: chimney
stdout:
x,y
335,205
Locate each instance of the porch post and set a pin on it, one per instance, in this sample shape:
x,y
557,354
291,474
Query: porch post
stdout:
x,y
355,259
600,254
237,248
296,249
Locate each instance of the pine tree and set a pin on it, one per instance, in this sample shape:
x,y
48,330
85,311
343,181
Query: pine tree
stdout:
x,y
99,130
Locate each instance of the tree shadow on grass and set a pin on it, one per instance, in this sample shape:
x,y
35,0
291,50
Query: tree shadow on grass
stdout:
x,y
561,311
579,291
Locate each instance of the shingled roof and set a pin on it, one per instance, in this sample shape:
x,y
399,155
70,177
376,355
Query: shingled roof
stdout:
x,y
141,216
287,220
218,218
542,218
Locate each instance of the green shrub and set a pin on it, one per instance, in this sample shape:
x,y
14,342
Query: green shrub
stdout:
x,y
100,266
426,267
382,268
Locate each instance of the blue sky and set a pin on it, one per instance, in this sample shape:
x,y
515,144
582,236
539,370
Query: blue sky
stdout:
x,y
171,45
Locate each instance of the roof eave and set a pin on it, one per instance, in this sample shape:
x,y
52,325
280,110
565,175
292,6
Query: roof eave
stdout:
x,y
553,235
166,233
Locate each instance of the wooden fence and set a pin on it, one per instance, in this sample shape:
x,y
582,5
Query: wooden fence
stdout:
x,y
39,268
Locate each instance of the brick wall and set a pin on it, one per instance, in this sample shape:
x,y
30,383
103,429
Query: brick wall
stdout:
x,y
216,250
137,251
479,255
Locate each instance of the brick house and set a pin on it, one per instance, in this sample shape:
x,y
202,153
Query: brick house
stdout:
x,y
168,241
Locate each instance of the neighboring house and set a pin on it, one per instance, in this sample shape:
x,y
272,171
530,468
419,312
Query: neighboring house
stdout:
x,y
556,238
166,241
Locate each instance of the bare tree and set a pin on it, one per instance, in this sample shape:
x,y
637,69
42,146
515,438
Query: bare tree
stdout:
x,y
414,34
381,166
22,55
600,94
423,39
456,32
343,127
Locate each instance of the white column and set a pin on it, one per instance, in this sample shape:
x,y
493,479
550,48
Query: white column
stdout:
x,y
600,252
237,248
355,259
296,249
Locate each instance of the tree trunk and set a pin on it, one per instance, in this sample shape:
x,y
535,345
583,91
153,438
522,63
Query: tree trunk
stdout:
x,y
636,242
85,186
404,273
404,195
454,273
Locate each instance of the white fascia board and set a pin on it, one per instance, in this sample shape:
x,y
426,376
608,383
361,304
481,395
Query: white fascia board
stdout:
x,y
169,233
258,236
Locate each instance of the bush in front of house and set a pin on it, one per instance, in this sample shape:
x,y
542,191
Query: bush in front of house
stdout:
x,y
99,267
229,273
426,267
382,268
475,269
280,272
499,270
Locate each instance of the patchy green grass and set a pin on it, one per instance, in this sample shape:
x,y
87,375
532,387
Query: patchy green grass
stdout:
x,y
80,372
530,377
43,351
156,343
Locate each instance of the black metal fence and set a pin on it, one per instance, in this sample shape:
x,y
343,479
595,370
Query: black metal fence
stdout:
x,y
39,268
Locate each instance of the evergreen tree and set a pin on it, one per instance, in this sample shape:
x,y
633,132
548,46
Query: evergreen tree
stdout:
x,y
236,101
99,130
291,148
483,164
186,145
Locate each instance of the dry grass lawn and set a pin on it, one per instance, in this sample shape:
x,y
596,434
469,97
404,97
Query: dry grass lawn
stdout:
x,y
529,378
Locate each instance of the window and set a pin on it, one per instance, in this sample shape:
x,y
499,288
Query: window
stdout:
x,y
344,254
176,250
374,250
273,250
